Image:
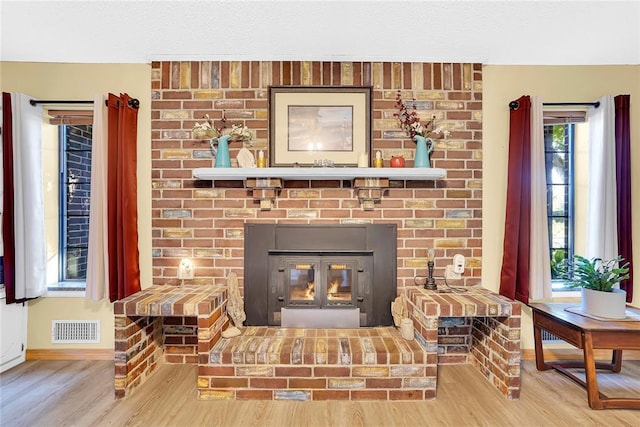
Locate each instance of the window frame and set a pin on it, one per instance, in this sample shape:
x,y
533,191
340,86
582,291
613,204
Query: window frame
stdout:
x,y
65,284
557,284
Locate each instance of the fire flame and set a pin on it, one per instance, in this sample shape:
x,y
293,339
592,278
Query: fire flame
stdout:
x,y
310,293
333,287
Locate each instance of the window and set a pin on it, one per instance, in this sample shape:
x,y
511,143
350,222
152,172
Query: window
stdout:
x,y
559,162
74,197
566,136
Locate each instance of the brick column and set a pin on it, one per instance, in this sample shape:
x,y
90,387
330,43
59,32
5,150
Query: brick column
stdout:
x,y
138,349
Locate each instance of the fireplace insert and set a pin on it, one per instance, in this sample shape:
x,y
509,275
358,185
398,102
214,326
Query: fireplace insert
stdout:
x,y
338,283
319,275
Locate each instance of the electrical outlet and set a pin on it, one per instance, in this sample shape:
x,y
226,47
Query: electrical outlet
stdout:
x,y
454,271
458,263
450,273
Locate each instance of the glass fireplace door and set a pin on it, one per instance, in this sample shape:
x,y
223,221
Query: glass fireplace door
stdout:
x,y
339,283
320,282
301,284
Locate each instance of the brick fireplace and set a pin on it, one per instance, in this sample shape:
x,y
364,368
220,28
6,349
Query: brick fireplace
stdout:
x,y
192,218
195,219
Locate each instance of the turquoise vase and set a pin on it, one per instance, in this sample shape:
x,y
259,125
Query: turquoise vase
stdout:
x,y
222,153
424,147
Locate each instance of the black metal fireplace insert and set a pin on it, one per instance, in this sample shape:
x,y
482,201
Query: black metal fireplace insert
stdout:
x,y
342,272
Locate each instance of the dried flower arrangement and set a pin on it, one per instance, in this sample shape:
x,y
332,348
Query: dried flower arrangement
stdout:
x,y
240,133
207,130
410,122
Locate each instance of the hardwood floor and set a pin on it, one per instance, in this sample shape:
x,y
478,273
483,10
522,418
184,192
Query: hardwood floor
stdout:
x,y
80,393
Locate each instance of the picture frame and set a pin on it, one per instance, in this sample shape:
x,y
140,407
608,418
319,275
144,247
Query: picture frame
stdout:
x,y
319,125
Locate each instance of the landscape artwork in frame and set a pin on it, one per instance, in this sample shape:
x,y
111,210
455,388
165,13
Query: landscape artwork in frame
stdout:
x,y
310,125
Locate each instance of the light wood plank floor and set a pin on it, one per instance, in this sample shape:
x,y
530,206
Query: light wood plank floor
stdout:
x,y
80,393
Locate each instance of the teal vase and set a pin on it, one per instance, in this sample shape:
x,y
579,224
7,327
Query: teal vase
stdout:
x,y
424,147
222,153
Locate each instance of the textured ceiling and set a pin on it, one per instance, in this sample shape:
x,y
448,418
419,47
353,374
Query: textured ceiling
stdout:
x,y
490,32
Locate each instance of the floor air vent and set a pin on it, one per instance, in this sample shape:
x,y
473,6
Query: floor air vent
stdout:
x,y
75,331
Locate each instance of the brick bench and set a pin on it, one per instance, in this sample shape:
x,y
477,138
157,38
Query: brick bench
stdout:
x,y
490,324
148,323
318,364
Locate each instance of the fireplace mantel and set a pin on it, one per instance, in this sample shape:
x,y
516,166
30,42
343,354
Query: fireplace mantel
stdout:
x,y
306,173
370,183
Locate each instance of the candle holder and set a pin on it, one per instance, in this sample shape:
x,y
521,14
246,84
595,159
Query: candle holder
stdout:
x,y
430,284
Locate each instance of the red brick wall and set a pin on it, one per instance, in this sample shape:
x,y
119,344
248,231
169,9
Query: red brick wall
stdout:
x,y
192,219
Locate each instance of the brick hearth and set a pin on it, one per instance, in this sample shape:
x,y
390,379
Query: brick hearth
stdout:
x,y
319,364
160,324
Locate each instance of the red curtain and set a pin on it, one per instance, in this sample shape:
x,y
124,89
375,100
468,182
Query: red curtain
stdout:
x,y
514,277
623,185
122,205
8,234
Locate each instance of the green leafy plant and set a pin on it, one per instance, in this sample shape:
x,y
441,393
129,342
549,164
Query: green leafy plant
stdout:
x,y
597,274
558,260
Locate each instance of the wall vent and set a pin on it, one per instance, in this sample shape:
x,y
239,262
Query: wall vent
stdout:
x,y
546,336
75,331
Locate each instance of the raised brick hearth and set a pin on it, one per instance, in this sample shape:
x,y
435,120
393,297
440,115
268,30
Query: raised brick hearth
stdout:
x,y
319,364
476,326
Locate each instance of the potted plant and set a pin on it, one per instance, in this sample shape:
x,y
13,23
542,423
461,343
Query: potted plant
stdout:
x,y
598,279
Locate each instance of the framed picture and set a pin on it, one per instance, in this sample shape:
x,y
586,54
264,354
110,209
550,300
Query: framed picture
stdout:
x,y
312,125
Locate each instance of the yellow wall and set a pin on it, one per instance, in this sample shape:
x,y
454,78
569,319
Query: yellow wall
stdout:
x,y
81,82
503,84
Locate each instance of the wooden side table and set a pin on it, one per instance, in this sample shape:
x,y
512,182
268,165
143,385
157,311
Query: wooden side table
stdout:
x,y
587,334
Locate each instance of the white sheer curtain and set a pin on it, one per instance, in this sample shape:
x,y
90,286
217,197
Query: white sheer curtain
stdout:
x,y
97,257
540,266
602,234
30,244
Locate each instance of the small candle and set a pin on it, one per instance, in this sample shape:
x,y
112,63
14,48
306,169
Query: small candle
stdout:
x,y
363,160
261,161
378,162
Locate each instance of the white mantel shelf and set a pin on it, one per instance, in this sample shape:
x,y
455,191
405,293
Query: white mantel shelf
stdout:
x,y
236,174
369,183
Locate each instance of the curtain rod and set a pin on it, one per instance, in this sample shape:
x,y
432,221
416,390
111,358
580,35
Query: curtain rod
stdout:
x,y
35,102
513,105
133,102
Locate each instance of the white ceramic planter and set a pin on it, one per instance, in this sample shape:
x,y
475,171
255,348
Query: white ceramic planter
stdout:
x,y
610,305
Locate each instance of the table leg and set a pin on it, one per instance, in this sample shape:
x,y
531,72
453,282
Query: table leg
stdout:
x,y
537,339
616,361
590,372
